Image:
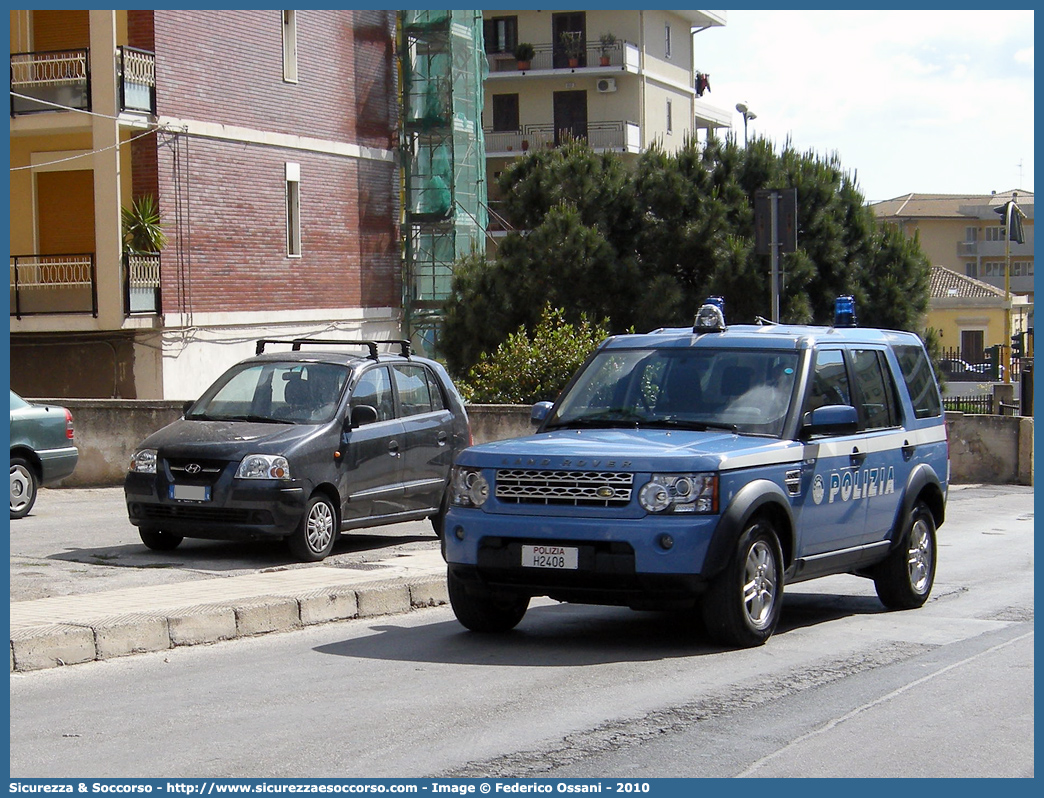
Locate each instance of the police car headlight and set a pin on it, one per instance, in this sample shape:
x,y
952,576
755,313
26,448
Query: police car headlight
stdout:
x,y
263,466
680,493
470,488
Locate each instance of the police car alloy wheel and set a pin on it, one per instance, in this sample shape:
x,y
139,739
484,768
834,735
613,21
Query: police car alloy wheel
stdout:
x,y
743,603
479,610
905,579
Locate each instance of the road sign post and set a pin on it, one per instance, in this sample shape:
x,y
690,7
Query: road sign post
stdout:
x,y
775,232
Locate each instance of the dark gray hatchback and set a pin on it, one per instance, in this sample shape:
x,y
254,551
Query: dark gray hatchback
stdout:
x,y
302,445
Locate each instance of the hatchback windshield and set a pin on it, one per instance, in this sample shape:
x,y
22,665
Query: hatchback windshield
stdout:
x,y
747,391
289,393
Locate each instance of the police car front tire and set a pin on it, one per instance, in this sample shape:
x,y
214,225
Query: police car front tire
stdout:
x,y
742,605
480,610
904,580
157,540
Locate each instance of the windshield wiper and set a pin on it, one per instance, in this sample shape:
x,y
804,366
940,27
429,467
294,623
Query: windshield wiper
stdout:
x,y
698,426
613,418
260,419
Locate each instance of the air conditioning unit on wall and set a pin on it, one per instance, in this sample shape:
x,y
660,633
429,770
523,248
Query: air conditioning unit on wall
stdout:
x,y
607,85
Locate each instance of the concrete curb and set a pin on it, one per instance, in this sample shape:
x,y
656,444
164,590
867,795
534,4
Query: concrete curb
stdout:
x,y
72,642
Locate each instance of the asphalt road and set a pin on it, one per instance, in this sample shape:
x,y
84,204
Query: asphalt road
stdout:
x,y
842,689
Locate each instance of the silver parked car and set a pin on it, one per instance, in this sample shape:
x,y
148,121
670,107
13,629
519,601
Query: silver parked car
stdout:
x,y
42,450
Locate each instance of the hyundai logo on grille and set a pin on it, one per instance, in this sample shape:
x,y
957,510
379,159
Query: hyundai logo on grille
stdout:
x,y
193,468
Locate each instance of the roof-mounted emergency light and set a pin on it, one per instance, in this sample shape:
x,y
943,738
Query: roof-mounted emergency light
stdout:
x,y
844,312
711,316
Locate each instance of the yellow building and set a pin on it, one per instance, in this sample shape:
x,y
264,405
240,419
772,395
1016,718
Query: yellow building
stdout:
x,y
968,314
965,234
620,80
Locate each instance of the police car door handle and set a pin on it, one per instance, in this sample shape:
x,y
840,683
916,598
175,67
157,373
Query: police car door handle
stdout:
x,y
907,450
857,457
393,448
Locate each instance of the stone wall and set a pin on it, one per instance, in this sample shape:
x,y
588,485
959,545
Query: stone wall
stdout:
x,y
983,449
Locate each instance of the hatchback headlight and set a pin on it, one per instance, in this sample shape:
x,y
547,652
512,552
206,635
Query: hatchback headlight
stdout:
x,y
263,466
143,461
680,493
470,488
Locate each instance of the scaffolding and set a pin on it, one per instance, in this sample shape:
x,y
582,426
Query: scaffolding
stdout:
x,y
442,66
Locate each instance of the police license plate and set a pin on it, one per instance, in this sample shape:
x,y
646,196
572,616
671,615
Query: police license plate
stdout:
x,y
190,493
563,557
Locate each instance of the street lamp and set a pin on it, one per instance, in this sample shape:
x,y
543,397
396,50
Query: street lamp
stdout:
x,y
747,116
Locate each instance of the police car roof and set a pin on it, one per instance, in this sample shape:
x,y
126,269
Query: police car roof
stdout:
x,y
759,336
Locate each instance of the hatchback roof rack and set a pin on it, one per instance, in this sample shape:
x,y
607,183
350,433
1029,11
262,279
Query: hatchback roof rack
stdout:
x,y
297,343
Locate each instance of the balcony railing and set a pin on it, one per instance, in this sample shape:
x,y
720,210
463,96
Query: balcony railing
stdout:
x,y
50,81
61,79
136,72
53,284
621,136
141,283
550,56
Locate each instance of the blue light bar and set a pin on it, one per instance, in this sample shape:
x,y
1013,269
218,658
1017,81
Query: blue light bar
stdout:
x,y
717,301
844,312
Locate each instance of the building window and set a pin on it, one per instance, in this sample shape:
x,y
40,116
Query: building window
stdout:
x,y
500,34
995,268
670,118
505,112
293,210
994,233
971,233
290,46
667,41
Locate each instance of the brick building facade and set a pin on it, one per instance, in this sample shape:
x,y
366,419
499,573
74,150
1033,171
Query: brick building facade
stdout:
x,y
271,151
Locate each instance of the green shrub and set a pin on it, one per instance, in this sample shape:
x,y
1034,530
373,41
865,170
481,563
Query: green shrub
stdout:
x,y
532,368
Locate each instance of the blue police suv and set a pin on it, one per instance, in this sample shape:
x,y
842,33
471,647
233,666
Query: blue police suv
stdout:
x,y
708,467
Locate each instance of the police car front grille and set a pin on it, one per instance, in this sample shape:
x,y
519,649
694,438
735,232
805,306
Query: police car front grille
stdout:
x,y
588,488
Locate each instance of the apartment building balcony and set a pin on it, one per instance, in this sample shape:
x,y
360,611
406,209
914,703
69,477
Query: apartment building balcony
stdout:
x,y
60,80
993,249
550,60
616,136
67,284
53,285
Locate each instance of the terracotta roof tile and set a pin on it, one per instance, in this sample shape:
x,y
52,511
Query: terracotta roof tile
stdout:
x,y
948,283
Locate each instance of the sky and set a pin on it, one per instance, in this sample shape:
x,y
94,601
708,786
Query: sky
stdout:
x,y
931,102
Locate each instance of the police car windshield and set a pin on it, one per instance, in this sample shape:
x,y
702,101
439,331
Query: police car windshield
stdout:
x,y
745,391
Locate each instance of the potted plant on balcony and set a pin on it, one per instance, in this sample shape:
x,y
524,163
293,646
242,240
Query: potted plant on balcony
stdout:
x,y
142,230
524,53
607,41
572,46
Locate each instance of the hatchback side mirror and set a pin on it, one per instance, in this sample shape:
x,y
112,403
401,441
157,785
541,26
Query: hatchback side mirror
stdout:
x,y
362,415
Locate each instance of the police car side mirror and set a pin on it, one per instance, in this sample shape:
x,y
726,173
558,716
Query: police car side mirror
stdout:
x,y
539,413
830,420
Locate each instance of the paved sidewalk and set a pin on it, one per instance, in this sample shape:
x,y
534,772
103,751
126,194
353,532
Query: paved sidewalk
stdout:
x,y
66,630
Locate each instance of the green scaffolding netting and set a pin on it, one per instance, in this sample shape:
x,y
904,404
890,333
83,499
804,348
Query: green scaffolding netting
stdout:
x,y
442,66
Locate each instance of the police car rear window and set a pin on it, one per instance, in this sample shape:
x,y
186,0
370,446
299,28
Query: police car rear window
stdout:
x,y
920,381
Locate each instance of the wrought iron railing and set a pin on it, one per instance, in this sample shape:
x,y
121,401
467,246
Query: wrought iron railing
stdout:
x,y
53,284
136,71
52,80
141,283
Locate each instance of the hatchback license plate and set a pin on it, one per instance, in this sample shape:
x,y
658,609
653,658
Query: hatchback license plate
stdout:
x,y
190,493
562,557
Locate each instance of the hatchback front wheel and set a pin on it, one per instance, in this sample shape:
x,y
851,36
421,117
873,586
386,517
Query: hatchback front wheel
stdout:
x,y
314,537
